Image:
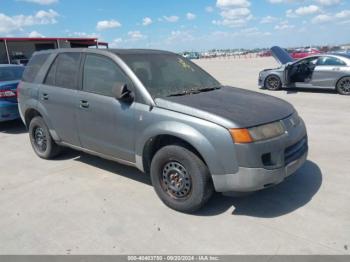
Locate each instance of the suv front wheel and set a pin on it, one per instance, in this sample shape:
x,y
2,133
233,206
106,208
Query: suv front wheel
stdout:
x,y
43,144
180,178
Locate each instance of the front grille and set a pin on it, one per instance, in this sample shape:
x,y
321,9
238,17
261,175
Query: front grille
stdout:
x,y
295,151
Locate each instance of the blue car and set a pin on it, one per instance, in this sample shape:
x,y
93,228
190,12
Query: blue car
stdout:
x,y
10,75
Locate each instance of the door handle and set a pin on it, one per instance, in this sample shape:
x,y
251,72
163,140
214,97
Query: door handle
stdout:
x,y
336,69
84,104
45,96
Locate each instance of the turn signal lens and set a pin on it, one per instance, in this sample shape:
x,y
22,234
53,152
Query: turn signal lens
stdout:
x,y
241,135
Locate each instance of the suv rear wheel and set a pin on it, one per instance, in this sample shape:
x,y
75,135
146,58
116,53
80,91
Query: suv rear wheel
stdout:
x,y
41,140
180,178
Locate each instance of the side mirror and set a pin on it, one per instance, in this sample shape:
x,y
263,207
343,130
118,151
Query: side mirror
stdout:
x,y
123,93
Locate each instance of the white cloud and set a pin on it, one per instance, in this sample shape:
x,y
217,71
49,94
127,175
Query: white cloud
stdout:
x,y
107,24
116,43
35,34
303,10
180,36
171,19
147,21
284,1
41,2
268,19
284,25
16,23
232,3
209,9
135,35
307,10
343,14
328,2
323,18
83,34
234,13
191,16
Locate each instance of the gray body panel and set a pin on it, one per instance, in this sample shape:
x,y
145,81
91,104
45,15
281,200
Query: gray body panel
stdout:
x,y
323,76
120,131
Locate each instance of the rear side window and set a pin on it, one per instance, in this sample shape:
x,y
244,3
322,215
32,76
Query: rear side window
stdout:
x,y
64,71
101,74
33,67
330,61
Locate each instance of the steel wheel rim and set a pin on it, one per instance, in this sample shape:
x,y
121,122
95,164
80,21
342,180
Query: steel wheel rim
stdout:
x,y
176,181
273,82
344,85
40,139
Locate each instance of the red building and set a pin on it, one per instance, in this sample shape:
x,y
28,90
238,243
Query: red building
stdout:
x,y
19,50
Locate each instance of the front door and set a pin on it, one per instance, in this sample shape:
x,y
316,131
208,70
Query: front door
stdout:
x,y
106,125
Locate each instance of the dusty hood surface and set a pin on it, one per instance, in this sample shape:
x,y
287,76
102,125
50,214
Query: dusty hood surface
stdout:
x,y
240,107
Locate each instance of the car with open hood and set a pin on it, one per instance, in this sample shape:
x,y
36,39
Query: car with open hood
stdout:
x,y
322,71
164,115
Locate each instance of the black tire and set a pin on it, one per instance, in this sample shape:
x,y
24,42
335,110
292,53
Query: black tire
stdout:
x,y
343,86
43,144
195,187
273,83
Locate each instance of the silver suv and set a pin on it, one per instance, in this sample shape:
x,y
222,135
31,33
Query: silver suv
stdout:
x,y
162,114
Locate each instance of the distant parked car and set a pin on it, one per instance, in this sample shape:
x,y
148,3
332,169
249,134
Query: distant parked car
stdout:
x,y
10,75
265,53
191,55
298,54
327,71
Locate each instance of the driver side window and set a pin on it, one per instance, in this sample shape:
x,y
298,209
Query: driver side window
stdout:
x,y
101,74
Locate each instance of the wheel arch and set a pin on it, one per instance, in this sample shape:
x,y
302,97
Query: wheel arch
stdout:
x,y
195,138
154,144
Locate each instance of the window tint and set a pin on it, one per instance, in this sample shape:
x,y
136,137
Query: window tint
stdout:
x,y
330,61
101,75
33,67
64,71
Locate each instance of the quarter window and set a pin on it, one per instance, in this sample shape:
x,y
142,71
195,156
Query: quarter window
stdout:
x,y
101,75
33,67
64,71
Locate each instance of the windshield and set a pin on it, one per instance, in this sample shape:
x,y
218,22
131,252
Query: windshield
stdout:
x,y
11,73
168,74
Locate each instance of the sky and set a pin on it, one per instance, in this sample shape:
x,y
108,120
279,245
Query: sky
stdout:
x,y
180,25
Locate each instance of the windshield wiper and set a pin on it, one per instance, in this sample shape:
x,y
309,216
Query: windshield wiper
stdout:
x,y
207,89
186,92
195,91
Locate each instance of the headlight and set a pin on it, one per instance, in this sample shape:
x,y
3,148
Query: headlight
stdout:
x,y
258,133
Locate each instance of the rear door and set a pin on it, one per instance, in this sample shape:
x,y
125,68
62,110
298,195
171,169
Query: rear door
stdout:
x,y
106,125
59,94
327,72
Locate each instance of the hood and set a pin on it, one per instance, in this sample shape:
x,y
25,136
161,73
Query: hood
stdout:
x,y
230,107
281,55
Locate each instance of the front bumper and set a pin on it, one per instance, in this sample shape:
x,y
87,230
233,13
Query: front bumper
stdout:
x,y
254,179
267,163
8,111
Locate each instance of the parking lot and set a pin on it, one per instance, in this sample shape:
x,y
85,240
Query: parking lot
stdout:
x,y
81,204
